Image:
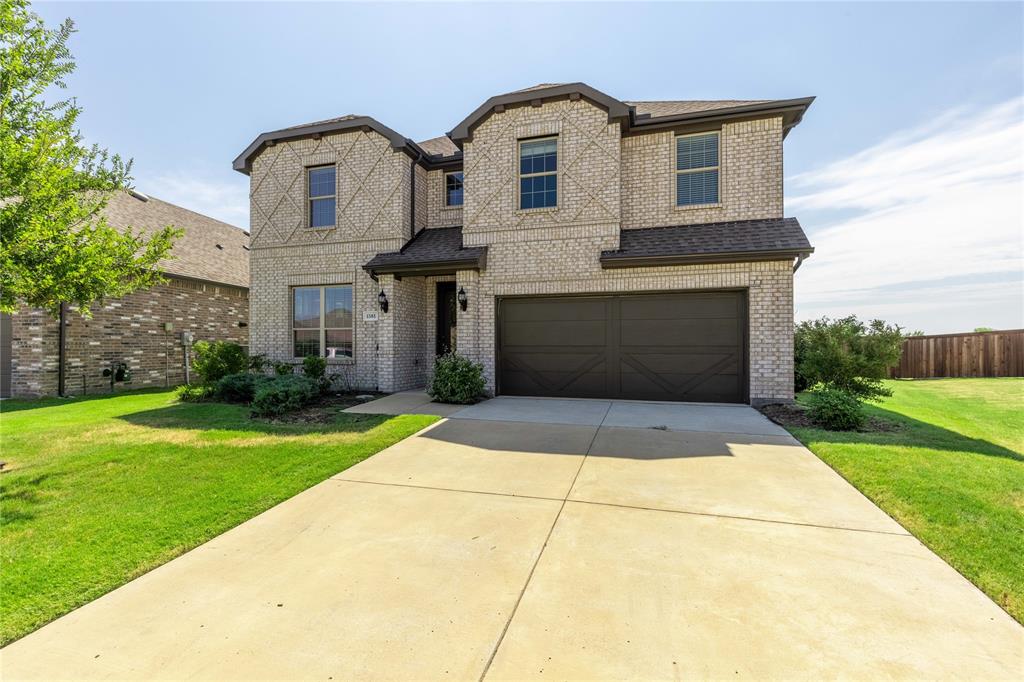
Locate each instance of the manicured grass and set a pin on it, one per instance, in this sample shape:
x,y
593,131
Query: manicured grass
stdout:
x,y
952,474
100,490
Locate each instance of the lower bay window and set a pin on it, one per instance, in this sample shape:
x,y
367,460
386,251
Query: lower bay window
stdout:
x,y
322,321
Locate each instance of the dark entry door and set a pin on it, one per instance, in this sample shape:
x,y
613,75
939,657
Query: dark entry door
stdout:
x,y
446,317
679,346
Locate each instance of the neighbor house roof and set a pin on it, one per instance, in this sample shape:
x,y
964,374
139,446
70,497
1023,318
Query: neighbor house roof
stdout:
x,y
208,250
636,116
741,240
434,251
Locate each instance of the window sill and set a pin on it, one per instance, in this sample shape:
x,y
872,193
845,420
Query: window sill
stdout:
x,y
530,211
691,207
322,227
452,208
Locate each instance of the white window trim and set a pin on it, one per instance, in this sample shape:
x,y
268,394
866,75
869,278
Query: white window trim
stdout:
x,y
677,172
520,175
322,329
310,200
444,191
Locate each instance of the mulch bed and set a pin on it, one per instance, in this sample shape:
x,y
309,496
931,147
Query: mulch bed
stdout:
x,y
326,410
795,415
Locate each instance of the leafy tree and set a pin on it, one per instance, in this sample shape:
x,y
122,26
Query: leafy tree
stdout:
x,y
55,244
846,354
984,329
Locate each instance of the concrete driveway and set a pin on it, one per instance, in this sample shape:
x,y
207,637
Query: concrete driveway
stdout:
x,y
560,539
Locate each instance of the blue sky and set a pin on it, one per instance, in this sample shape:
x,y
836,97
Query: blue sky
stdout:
x,y
906,172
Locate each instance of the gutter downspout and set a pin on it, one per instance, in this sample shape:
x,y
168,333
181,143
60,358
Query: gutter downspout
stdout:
x,y
61,349
799,261
412,194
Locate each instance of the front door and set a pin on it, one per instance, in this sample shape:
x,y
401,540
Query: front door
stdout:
x,y
445,317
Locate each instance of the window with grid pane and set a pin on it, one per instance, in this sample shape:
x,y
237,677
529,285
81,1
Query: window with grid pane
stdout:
x,y
697,169
538,173
453,189
322,321
321,196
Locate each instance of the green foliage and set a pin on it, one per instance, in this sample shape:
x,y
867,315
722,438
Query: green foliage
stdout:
x,y
283,369
55,245
314,368
835,409
218,359
984,329
282,394
258,363
195,393
847,354
240,387
456,379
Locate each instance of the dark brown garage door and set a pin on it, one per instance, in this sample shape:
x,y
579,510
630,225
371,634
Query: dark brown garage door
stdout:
x,y
642,347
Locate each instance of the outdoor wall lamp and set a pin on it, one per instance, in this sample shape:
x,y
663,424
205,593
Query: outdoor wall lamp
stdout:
x,y
382,299
463,299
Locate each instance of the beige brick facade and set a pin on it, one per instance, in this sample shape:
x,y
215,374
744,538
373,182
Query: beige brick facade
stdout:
x,y
607,182
130,330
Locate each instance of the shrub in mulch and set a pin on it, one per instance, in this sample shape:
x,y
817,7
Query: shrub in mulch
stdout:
x,y
797,416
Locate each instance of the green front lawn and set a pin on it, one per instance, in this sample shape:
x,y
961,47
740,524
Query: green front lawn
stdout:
x,y
97,491
952,474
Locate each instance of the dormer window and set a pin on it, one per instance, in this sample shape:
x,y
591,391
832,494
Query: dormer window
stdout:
x,y
321,196
538,173
697,169
453,189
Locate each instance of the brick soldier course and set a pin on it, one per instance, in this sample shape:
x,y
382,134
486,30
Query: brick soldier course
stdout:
x,y
205,293
616,172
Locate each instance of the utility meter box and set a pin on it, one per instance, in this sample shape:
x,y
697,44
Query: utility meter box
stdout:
x,y
186,338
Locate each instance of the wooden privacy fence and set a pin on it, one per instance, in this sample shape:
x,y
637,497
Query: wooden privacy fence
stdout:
x,y
975,354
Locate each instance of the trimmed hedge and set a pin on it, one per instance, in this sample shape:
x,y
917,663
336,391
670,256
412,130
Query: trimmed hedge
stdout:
x,y
282,394
835,409
240,388
456,379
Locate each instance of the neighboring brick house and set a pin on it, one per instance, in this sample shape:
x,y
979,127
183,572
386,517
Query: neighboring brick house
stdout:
x,y
205,293
574,244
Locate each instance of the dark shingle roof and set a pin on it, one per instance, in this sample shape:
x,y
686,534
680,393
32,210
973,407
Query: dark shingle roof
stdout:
x,y
430,250
439,146
657,109
705,242
196,253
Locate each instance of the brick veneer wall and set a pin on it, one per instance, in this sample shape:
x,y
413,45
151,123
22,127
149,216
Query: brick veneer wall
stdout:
x,y
750,177
128,329
606,182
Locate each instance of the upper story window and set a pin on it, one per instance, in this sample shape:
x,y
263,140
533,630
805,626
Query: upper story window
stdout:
x,y
322,321
453,189
697,169
321,196
538,173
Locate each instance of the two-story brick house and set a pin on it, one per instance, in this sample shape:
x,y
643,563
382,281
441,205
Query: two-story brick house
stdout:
x,y
574,244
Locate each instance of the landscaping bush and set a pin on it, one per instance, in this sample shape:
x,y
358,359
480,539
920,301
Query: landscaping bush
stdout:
x,y
835,409
195,393
283,369
258,363
216,360
282,394
846,354
314,368
239,388
456,380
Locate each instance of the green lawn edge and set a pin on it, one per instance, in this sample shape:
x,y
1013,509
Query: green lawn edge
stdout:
x,y
100,490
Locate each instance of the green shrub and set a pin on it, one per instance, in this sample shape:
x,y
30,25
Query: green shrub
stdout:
x,y
282,394
283,369
195,393
239,388
456,380
835,409
218,359
314,368
846,354
258,363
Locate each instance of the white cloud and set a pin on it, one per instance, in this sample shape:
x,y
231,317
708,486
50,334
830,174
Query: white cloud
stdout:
x,y
945,200
197,191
